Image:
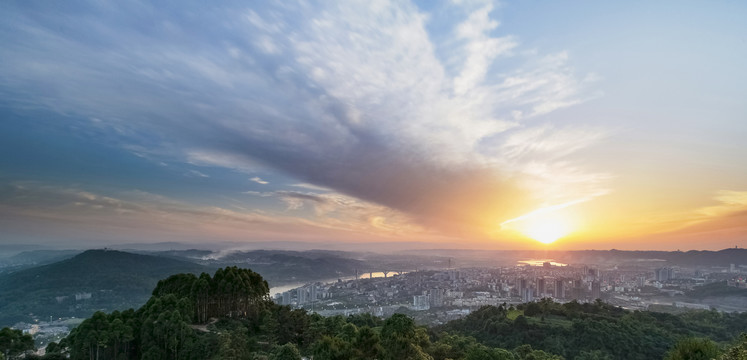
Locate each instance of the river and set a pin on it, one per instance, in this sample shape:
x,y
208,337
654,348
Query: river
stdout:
x,y
283,288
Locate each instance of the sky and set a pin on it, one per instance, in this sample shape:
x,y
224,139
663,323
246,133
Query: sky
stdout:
x,y
461,124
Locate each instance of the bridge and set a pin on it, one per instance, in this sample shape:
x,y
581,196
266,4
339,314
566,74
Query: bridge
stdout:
x,y
385,272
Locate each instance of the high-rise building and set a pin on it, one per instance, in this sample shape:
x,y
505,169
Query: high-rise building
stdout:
x,y
302,295
541,287
664,274
523,284
527,295
436,297
577,291
596,290
420,302
560,289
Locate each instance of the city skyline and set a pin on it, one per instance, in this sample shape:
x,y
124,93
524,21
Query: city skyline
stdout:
x,y
468,124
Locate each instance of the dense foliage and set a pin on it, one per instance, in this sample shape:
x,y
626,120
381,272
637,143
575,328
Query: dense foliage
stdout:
x,y
13,343
230,292
229,316
574,328
163,328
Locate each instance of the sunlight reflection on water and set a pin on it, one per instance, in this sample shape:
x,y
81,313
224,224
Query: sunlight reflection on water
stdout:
x,y
540,262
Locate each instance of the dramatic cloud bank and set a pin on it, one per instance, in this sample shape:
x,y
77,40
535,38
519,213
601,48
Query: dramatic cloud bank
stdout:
x,y
439,125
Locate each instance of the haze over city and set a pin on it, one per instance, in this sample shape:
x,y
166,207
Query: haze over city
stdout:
x,y
464,124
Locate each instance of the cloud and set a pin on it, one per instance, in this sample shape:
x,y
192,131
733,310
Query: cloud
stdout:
x,y
310,187
480,49
257,193
144,214
730,202
335,209
728,214
195,173
714,226
258,180
347,96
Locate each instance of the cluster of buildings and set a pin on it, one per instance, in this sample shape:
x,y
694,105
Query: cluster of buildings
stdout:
x,y
459,291
305,295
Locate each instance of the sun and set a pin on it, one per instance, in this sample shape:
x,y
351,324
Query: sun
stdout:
x,y
546,231
545,227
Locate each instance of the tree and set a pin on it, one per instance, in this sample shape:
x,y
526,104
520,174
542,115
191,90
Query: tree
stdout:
x,y
525,352
693,349
481,352
738,351
532,309
14,343
348,333
234,344
269,327
401,340
286,352
121,333
231,292
367,344
593,355
331,348
53,348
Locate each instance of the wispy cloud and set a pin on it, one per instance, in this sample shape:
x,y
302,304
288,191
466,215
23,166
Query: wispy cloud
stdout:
x,y
480,49
195,173
144,213
259,180
729,212
311,187
730,202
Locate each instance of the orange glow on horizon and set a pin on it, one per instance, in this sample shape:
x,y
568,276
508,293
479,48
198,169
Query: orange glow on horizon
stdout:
x,y
547,232
543,226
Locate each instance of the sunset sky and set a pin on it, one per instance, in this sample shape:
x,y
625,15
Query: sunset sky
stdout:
x,y
462,124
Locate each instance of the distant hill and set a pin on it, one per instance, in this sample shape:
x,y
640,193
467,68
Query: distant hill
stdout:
x,y
37,257
120,280
280,267
723,257
102,280
191,255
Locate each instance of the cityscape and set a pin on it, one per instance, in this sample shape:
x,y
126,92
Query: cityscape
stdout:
x,y
452,293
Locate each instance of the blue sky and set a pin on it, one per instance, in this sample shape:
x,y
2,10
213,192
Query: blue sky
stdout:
x,y
464,123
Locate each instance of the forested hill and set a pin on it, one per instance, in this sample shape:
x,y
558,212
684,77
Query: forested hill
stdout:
x,y
113,279
574,328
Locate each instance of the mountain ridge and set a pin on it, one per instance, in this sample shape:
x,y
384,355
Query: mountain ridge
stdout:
x,y
107,279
